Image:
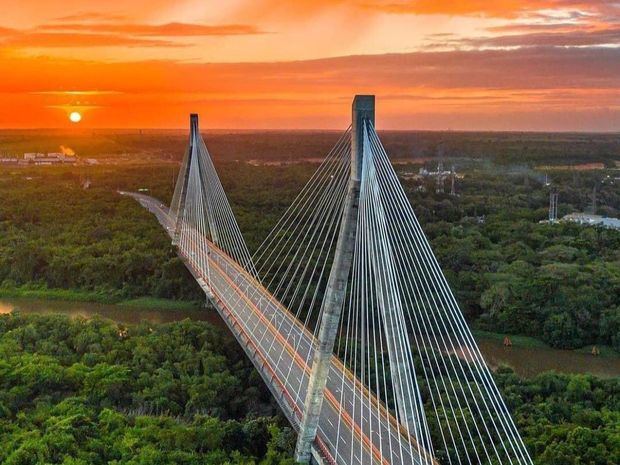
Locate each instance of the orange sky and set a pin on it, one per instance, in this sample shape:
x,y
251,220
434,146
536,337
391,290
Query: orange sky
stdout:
x,y
433,64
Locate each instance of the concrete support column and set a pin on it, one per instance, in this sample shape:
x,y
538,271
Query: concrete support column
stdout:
x,y
363,110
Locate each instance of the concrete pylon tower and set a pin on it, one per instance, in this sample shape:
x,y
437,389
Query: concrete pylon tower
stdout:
x,y
180,194
363,111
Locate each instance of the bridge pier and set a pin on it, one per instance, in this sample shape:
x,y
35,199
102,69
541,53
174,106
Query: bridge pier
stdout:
x,y
363,110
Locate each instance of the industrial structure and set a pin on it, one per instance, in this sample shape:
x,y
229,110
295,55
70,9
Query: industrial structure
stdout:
x,y
43,159
345,312
588,219
553,207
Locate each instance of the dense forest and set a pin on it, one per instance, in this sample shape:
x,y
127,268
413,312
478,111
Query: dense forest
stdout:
x,y
77,392
55,234
89,392
139,146
557,282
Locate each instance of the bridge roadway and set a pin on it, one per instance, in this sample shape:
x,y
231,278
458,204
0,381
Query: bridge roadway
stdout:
x,y
282,350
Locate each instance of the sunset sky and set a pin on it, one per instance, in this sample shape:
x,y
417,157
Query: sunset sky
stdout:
x,y
433,64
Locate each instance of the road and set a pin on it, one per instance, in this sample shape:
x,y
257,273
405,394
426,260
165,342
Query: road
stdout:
x,y
355,428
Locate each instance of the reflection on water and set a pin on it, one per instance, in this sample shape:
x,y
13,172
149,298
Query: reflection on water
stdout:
x,y
127,315
525,361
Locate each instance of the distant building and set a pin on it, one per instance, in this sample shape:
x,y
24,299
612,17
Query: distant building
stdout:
x,y
592,220
440,172
53,158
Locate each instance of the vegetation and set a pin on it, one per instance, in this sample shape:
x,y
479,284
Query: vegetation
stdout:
x,y
89,392
517,341
566,419
56,235
139,146
161,304
557,282
92,392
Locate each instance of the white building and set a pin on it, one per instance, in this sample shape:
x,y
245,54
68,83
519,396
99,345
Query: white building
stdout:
x,y
592,220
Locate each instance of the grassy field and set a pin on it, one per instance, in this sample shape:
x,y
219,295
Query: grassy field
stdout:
x,y
101,297
517,341
533,343
161,304
40,292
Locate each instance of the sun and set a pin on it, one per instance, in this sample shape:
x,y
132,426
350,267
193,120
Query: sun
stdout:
x,y
75,117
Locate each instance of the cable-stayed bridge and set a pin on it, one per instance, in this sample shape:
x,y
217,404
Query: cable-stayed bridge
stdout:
x,y
345,312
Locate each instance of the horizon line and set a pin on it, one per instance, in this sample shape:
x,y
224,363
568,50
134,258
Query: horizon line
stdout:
x,y
183,128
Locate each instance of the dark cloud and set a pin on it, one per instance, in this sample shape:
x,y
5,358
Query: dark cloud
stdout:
x,y
524,69
536,27
490,8
583,37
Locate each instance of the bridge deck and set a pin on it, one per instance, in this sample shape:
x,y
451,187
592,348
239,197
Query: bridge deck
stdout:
x,y
282,350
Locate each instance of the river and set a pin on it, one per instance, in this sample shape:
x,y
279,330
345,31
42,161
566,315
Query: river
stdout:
x,y
525,361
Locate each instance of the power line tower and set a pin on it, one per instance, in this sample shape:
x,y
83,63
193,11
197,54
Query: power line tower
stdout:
x,y
593,206
439,179
553,207
452,180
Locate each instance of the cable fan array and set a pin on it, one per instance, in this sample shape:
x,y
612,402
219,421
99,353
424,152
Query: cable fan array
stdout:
x,y
201,213
405,338
410,377
294,259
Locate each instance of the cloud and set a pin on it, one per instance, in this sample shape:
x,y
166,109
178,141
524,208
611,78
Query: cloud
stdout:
x,y
92,16
537,27
76,93
571,38
114,34
489,8
156,30
527,68
77,40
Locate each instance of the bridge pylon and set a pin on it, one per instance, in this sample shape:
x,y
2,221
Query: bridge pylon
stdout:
x,y
411,381
180,191
363,111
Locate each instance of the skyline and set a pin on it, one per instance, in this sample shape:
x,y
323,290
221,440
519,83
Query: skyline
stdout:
x,y
551,65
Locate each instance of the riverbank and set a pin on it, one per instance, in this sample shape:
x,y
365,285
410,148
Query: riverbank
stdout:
x,y
527,342
135,312
99,297
527,357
